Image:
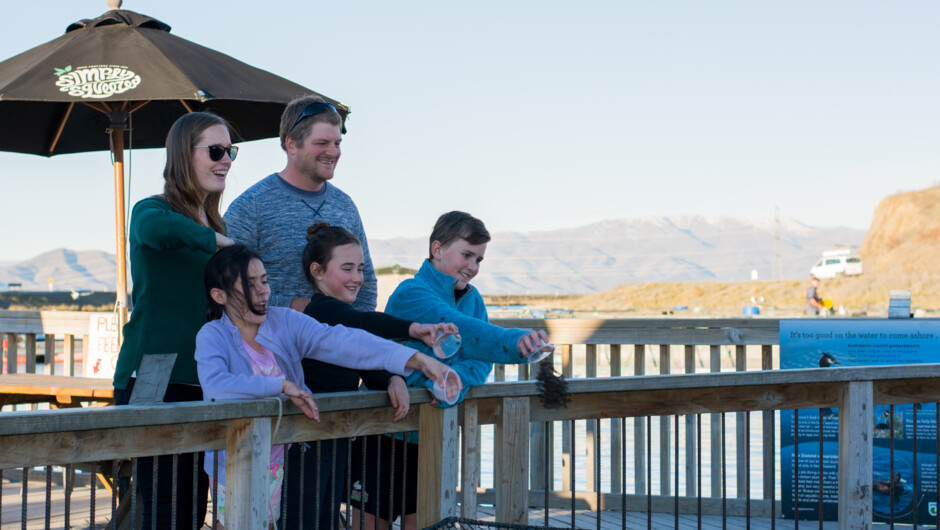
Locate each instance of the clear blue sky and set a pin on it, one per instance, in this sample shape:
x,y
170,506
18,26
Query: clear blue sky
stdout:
x,y
539,115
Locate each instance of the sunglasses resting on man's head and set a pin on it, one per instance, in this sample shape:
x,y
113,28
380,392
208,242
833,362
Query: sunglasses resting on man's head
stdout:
x,y
312,110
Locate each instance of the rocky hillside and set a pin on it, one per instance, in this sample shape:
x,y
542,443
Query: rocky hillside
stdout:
x,y
904,238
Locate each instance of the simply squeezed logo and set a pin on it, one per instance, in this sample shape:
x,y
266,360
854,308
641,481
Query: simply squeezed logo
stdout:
x,y
96,81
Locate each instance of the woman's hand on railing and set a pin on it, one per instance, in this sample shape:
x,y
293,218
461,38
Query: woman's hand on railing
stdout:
x,y
398,394
427,333
302,399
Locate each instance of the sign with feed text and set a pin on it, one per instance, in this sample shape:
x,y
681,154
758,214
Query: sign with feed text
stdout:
x,y
904,474
100,355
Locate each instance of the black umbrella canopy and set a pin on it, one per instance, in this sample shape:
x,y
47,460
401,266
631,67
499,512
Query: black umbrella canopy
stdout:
x,y
125,70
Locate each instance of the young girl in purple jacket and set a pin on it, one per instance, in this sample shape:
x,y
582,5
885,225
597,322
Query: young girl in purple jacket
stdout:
x,y
250,350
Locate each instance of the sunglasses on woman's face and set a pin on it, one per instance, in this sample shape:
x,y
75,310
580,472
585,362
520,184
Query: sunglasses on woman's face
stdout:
x,y
217,151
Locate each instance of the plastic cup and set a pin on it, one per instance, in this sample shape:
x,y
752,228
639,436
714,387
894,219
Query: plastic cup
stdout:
x,y
446,345
544,350
451,379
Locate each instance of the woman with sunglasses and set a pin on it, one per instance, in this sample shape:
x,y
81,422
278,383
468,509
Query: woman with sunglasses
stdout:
x,y
172,236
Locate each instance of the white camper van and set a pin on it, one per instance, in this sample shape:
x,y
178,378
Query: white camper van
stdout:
x,y
837,263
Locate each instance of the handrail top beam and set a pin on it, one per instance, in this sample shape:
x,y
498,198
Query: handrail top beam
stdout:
x,y
34,422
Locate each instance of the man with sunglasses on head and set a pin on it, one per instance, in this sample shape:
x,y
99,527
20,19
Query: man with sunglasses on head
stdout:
x,y
271,218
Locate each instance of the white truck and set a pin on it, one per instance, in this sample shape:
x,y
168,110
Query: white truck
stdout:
x,y
840,262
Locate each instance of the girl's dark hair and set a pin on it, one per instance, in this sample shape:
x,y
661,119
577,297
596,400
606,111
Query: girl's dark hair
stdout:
x,y
458,225
225,267
181,185
321,240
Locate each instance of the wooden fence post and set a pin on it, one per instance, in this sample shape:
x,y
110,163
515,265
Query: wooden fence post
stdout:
x,y
639,429
567,456
49,354
11,353
248,459
714,366
855,455
470,472
437,464
769,436
591,432
691,442
512,468
665,430
616,441
742,436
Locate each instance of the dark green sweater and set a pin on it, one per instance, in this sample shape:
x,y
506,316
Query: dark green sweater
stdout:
x,y
168,252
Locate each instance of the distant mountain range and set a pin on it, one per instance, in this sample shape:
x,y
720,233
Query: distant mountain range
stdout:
x,y
584,259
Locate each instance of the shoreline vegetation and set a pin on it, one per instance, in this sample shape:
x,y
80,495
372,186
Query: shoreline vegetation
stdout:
x,y
860,296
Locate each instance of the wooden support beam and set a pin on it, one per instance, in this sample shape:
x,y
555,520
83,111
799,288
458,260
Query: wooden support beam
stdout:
x,y
11,353
691,453
590,428
248,458
31,353
714,365
742,437
68,354
512,469
567,458
437,465
665,430
49,354
639,427
855,455
470,462
616,440
768,430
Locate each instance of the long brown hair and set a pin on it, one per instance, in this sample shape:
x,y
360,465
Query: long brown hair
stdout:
x,y
181,187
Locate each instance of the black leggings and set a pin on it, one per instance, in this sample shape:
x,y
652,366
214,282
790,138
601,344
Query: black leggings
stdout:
x,y
184,472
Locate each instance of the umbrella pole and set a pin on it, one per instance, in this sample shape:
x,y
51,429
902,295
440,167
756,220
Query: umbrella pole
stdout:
x,y
117,150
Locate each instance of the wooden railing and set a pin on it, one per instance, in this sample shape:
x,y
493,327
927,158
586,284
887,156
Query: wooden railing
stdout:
x,y
244,428
622,347
59,331
593,349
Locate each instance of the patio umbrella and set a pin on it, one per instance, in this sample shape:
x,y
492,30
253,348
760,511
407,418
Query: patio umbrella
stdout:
x,y
85,90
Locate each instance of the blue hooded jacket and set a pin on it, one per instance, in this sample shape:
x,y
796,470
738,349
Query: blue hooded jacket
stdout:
x,y
429,298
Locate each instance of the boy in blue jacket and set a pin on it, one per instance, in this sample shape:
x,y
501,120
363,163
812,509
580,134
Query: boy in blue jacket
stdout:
x,y
441,292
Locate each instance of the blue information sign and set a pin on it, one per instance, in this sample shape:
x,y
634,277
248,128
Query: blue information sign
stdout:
x,y
901,485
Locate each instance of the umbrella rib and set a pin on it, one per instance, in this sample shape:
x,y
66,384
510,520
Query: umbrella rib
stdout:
x,y
58,132
100,107
186,106
137,106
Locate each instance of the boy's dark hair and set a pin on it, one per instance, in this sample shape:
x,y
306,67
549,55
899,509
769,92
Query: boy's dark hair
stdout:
x,y
458,225
321,240
224,268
